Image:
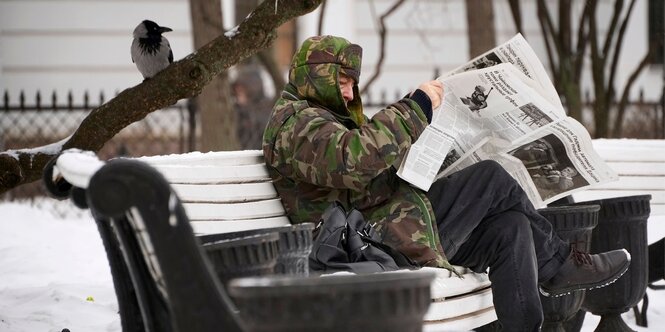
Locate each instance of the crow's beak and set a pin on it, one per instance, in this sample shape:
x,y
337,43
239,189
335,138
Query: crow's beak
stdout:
x,y
164,29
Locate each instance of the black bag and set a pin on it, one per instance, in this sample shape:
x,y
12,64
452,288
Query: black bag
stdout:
x,y
346,242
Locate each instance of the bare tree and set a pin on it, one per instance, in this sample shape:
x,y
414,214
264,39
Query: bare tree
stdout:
x,y
567,51
218,123
480,23
185,78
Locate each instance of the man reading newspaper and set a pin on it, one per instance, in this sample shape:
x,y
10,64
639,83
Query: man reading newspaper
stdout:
x,y
320,148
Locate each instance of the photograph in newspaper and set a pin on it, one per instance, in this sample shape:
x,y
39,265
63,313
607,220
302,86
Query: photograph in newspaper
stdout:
x,y
488,59
547,162
478,98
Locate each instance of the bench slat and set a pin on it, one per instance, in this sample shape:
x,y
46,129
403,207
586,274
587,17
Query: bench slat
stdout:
x,y
458,306
215,227
588,195
191,174
462,323
626,149
644,183
234,211
646,155
217,158
634,168
447,284
221,193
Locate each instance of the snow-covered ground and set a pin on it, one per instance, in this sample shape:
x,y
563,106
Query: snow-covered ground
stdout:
x,y
54,274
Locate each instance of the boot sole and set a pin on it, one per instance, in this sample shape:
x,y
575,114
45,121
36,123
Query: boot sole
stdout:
x,y
600,284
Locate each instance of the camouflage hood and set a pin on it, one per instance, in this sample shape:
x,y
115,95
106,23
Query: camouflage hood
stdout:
x,y
314,75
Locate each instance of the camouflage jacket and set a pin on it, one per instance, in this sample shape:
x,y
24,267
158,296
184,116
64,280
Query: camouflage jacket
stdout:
x,y
318,151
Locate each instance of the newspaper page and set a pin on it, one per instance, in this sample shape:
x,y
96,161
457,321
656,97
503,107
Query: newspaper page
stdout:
x,y
497,101
549,164
518,52
500,112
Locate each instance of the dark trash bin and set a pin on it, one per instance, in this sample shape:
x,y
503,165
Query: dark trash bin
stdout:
x,y
622,223
378,302
293,247
573,224
252,255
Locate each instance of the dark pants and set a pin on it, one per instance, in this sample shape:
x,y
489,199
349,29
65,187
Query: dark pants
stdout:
x,y
485,221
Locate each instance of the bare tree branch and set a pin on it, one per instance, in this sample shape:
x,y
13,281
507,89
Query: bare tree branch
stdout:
x,y
621,109
322,15
596,61
616,13
600,106
516,11
617,52
565,28
546,20
382,47
182,79
582,41
548,37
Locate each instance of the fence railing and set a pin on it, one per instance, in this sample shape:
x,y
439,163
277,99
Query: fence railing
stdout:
x,y
37,122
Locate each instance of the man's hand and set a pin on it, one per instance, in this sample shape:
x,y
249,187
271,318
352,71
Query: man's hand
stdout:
x,y
434,90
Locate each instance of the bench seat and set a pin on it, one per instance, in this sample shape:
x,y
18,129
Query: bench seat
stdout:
x,y
231,191
457,303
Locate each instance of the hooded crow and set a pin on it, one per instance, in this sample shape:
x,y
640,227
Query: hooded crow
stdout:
x,y
150,50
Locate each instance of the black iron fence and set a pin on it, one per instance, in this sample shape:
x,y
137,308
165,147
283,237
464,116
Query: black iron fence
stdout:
x,y
39,122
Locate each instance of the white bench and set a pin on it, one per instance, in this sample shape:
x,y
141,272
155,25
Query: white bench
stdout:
x,y
232,191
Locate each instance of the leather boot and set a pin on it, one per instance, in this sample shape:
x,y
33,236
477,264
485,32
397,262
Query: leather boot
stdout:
x,y
582,270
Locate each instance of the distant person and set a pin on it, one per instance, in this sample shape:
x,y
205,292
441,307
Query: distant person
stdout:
x,y
252,108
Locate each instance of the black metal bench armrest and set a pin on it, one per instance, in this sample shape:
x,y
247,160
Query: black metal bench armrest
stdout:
x,y
144,225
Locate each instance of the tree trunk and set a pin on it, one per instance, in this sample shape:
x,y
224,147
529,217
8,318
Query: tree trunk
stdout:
x,y
480,24
217,119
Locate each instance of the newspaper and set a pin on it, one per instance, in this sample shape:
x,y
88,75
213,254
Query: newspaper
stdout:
x,y
502,106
